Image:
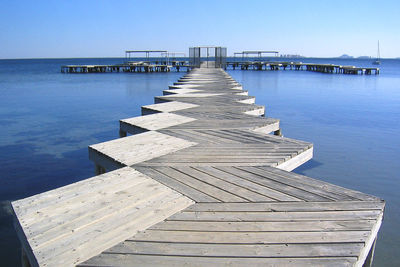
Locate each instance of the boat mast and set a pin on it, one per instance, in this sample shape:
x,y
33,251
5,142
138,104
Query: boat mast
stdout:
x,y
379,54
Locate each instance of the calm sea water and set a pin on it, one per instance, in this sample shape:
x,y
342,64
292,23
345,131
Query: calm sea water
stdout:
x,y
48,119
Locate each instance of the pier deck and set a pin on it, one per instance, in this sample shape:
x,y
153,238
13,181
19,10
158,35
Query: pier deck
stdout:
x,y
200,181
138,66
160,66
316,67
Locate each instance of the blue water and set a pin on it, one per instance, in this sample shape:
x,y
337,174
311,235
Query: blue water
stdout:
x,y
48,119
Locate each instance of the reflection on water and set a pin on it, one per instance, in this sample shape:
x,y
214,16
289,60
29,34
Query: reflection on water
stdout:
x,y
311,164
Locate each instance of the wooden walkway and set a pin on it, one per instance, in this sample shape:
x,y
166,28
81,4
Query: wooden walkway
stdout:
x,y
200,181
316,67
139,66
159,66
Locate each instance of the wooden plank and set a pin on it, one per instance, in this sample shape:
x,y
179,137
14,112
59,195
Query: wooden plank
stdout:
x,y
225,185
228,135
152,163
281,226
190,135
277,216
199,185
141,147
176,185
271,195
180,91
261,160
241,148
256,112
314,188
228,153
167,107
296,161
155,121
178,96
152,260
213,237
290,206
225,156
286,189
237,250
321,184
193,134
209,125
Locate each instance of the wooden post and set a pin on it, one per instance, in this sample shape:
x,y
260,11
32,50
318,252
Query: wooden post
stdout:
x,y
99,169
122,133
370,257
278,132
24,259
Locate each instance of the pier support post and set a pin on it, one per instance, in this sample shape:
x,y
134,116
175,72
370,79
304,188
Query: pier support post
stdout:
x,y
24,259
122,133
278,132
370,257
99,169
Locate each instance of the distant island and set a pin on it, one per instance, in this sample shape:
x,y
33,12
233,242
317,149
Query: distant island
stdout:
x,y
345,56
360,57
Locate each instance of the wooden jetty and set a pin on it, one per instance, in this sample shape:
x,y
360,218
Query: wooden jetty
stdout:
x,y
199,181
316,67
139,66
164,63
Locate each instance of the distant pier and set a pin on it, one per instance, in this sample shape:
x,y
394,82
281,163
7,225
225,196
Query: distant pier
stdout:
x,y
181,65
164,62
169,62
241,61
140,66
316,67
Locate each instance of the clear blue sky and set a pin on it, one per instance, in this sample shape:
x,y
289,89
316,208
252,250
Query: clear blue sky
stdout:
x,y
84,28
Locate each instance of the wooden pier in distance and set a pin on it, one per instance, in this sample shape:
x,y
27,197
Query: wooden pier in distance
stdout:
x,y
163,63
203,179
139,66
258,63
169,62
160,66
316,67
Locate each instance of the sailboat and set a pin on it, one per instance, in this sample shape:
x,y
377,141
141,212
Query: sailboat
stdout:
x,y
378,58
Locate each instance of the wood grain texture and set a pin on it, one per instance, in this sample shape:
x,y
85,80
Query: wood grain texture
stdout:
x,y
70,224
156,121
140,147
